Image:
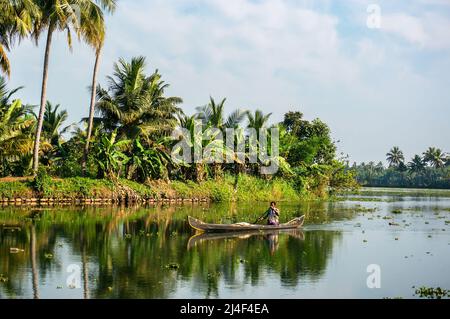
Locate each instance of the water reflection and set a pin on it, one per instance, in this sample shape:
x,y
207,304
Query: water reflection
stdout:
x,y
270,237
148,252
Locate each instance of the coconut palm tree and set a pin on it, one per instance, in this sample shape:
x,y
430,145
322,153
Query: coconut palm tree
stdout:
x,y
212,117
379,168
56,15
15,124
16,21
258,120
94,34
53,122
52,133
435,157
196,169
417,164
134,104
395,157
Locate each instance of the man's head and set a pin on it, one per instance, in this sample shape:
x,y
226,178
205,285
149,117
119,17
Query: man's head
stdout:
x,y
273,204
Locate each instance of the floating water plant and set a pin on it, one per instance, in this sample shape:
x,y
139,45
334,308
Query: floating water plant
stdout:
x,y
3,278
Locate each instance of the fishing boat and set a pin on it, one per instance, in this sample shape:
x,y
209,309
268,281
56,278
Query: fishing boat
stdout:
x,y
205,227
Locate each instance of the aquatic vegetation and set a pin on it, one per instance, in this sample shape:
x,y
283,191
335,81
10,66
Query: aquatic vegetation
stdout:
x,y
362,209
394,194
394,224
397,211
135,266
3,278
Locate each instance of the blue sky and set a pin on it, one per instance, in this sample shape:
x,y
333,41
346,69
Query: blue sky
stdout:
x,y
376,88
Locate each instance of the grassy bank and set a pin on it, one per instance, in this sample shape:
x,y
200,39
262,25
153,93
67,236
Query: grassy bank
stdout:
x,y
248,188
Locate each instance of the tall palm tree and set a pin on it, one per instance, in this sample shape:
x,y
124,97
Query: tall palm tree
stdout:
x,y
395,157
213,117
416,164
134,104
56,15
53,122
435,157
94,34
379,168
195,170
16,21
258,120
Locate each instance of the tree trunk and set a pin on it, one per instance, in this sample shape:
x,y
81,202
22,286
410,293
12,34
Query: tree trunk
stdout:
x,y
37,139
199,172
217,170
91,111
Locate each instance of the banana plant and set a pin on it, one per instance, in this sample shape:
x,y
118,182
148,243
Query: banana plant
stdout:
x,y
149,162
110,156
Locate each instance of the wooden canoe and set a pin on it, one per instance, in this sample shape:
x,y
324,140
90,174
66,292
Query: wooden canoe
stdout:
x,y
205,227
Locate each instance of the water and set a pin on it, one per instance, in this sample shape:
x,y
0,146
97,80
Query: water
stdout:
x,y
151,252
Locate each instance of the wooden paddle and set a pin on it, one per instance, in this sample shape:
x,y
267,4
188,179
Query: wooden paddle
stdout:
x,y
259,218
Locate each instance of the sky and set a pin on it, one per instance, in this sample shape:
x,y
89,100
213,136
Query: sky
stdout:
x,y
377,75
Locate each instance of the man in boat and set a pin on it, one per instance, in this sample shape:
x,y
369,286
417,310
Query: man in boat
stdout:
x,y
272,215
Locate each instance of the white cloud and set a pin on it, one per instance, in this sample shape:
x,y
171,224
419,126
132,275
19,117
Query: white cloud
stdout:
x,y
267,35
428,31
275,55
408,27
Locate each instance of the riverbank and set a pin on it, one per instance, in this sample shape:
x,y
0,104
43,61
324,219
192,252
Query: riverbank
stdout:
x,y
82,191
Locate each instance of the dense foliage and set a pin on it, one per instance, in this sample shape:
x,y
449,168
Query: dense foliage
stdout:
x,y
131,139
128,134
429,170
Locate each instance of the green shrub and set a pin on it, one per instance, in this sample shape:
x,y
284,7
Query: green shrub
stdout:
x,y
14,189
141,189
42,182
221,192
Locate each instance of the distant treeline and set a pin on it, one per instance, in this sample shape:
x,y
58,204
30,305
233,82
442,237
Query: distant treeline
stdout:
x,y
429,170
